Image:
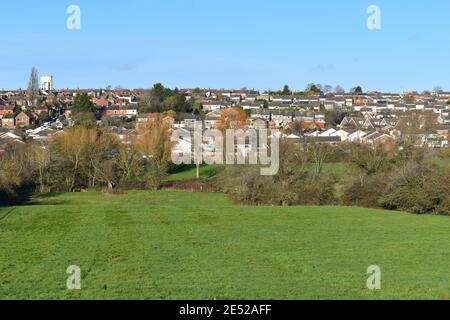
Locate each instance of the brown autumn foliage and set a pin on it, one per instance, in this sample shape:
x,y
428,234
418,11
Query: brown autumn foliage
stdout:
x,y
14,173
154,141
84,158
233,118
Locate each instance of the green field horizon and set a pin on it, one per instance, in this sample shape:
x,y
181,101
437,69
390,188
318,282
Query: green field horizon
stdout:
x,y
179,245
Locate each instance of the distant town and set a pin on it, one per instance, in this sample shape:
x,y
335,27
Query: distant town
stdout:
x,y
319,114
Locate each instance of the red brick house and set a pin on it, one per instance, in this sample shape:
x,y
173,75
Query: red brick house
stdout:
x,y
380,141
8,121
116,111
102,103
4,110
22,120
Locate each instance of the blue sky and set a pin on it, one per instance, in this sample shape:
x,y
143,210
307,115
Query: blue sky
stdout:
x,y
227,44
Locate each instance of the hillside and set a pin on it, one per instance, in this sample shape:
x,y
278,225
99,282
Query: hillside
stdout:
x,y
177,245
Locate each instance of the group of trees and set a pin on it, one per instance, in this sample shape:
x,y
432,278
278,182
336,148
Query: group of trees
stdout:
x,y
161,99
233,118
404,181
90,158
315,88
14,174
87,158
155,144
301,179
84,111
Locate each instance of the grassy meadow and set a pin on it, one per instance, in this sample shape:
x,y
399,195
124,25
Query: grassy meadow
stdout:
x,y
190,172
179,245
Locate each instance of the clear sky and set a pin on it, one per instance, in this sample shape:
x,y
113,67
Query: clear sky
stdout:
x,y
227,44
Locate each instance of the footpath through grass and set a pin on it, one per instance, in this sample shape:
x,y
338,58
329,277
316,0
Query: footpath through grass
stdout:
x,y
178,245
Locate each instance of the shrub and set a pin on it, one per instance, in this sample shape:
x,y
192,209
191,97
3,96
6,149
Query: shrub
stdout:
x,y
194,185
320,192
245,185
364,192
418,188
14,176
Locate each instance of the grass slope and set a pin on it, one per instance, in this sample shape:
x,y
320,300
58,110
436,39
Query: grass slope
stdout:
x,y
177,245
190,173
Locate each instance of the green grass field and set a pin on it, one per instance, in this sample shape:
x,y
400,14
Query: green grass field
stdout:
x,y
338,170
178,245
190,173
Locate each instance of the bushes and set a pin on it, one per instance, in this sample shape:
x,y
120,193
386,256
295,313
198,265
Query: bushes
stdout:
x,y
87,158
8,182
364,192
418,188
193,185
444,208
15,174
80,159
407,185
380,180
155,174
321,191
246,185
83,158
296,183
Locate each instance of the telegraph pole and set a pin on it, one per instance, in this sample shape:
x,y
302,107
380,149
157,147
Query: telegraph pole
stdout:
x,y
198,147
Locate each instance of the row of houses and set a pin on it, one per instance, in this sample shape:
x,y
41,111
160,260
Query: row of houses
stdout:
x,y
124,103
377,139
127,111
375,115
319,105
21,120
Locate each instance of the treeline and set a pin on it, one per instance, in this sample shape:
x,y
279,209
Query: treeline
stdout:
x,y
92,159
87,158
161,99
404,181
407,181
316,88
